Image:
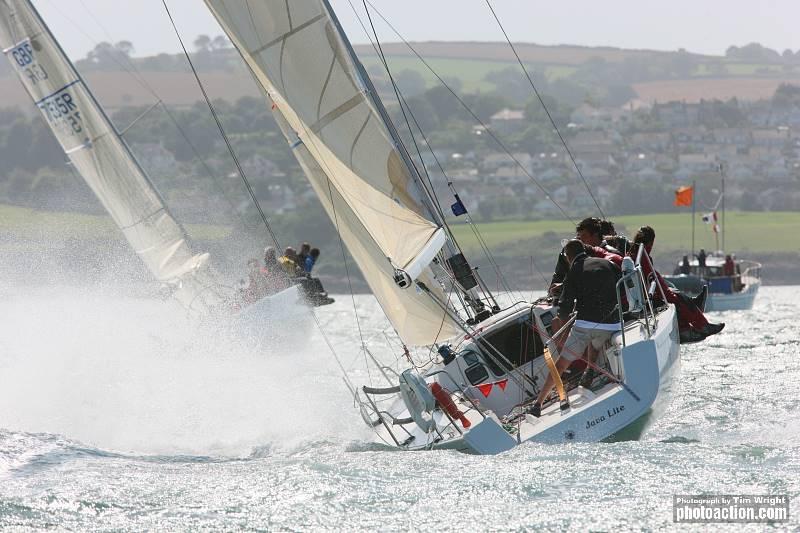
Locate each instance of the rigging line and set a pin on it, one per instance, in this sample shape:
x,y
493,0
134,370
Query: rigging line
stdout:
x,y
473,115
221,129
547,111
131,70
344,259
347,272
402,101
470,222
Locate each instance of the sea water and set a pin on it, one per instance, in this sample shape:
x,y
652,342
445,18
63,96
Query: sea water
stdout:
x,y
118,413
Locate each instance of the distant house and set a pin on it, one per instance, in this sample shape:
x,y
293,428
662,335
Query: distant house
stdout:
x,y
677,114
651,141
545,160
765,154
508,121
649,174
588,116
772,138
690,165
510,175
494,161
259,167
594,149
739,137
691,136
720,151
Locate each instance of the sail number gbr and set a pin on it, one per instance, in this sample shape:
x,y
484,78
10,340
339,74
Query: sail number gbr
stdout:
x,y
61,112
25,60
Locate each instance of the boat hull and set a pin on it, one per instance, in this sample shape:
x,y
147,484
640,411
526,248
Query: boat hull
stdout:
x,y
735,301
647,361
650,368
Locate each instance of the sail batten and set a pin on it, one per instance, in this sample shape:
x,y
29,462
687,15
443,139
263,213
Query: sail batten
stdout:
x,y
346,150
96,150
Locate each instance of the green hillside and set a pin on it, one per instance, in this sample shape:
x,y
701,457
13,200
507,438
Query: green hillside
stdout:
x,y
746,231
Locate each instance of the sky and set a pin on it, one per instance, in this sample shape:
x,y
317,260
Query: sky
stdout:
x,y
701,26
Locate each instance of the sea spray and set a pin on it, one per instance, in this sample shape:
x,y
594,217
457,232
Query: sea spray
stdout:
x,y
134,375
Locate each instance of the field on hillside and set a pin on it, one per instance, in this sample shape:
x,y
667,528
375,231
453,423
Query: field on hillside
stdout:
x,y
746,231
24,223
468,62
470,72
694,90
500,51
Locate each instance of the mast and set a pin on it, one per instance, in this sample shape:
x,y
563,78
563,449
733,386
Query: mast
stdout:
x,y
428,201
722,225
102,157
694,200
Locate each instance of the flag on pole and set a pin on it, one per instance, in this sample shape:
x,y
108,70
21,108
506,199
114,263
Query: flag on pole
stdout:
x,y
711,218
683,196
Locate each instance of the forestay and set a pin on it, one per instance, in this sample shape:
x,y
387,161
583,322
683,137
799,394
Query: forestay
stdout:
x,y
96,151
345,149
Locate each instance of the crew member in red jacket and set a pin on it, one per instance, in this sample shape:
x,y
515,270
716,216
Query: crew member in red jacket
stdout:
x,y
692,323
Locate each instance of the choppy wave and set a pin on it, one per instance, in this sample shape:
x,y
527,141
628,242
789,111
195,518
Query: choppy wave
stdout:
x,y
118,414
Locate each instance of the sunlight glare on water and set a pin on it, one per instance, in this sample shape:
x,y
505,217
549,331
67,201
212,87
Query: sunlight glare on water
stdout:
x,y
116,414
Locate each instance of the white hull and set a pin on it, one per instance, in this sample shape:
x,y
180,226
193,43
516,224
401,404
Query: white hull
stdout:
x,y
734,301
647,363
649,367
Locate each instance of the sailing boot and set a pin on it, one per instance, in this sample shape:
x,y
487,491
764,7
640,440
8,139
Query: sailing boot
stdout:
x,y
689,336
712,329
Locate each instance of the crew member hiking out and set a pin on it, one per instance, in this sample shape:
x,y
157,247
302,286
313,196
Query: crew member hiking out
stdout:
x,y
590,288
692,323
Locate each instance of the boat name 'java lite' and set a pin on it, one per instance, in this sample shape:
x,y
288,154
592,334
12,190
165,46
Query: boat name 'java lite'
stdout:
x,y
602,418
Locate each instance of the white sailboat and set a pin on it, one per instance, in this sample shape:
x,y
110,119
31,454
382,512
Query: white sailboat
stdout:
x,y
382,208
102,157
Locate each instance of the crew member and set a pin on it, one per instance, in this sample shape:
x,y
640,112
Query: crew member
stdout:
x,y
590,287
692,324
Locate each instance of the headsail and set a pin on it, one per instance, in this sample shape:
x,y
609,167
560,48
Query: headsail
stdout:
x,y
99,154
301,60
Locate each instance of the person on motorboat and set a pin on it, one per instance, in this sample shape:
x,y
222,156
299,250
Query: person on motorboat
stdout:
x,y
701,262
684,267
590,288
729,268
692,323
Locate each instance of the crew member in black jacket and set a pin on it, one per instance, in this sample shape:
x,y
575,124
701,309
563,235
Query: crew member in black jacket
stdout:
x,y
590,288
591,231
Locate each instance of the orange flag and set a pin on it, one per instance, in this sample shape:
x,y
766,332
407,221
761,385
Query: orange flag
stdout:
x,y
486,389
683,196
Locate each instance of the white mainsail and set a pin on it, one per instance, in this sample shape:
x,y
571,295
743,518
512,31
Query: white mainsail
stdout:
x,y
302,62
98,153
